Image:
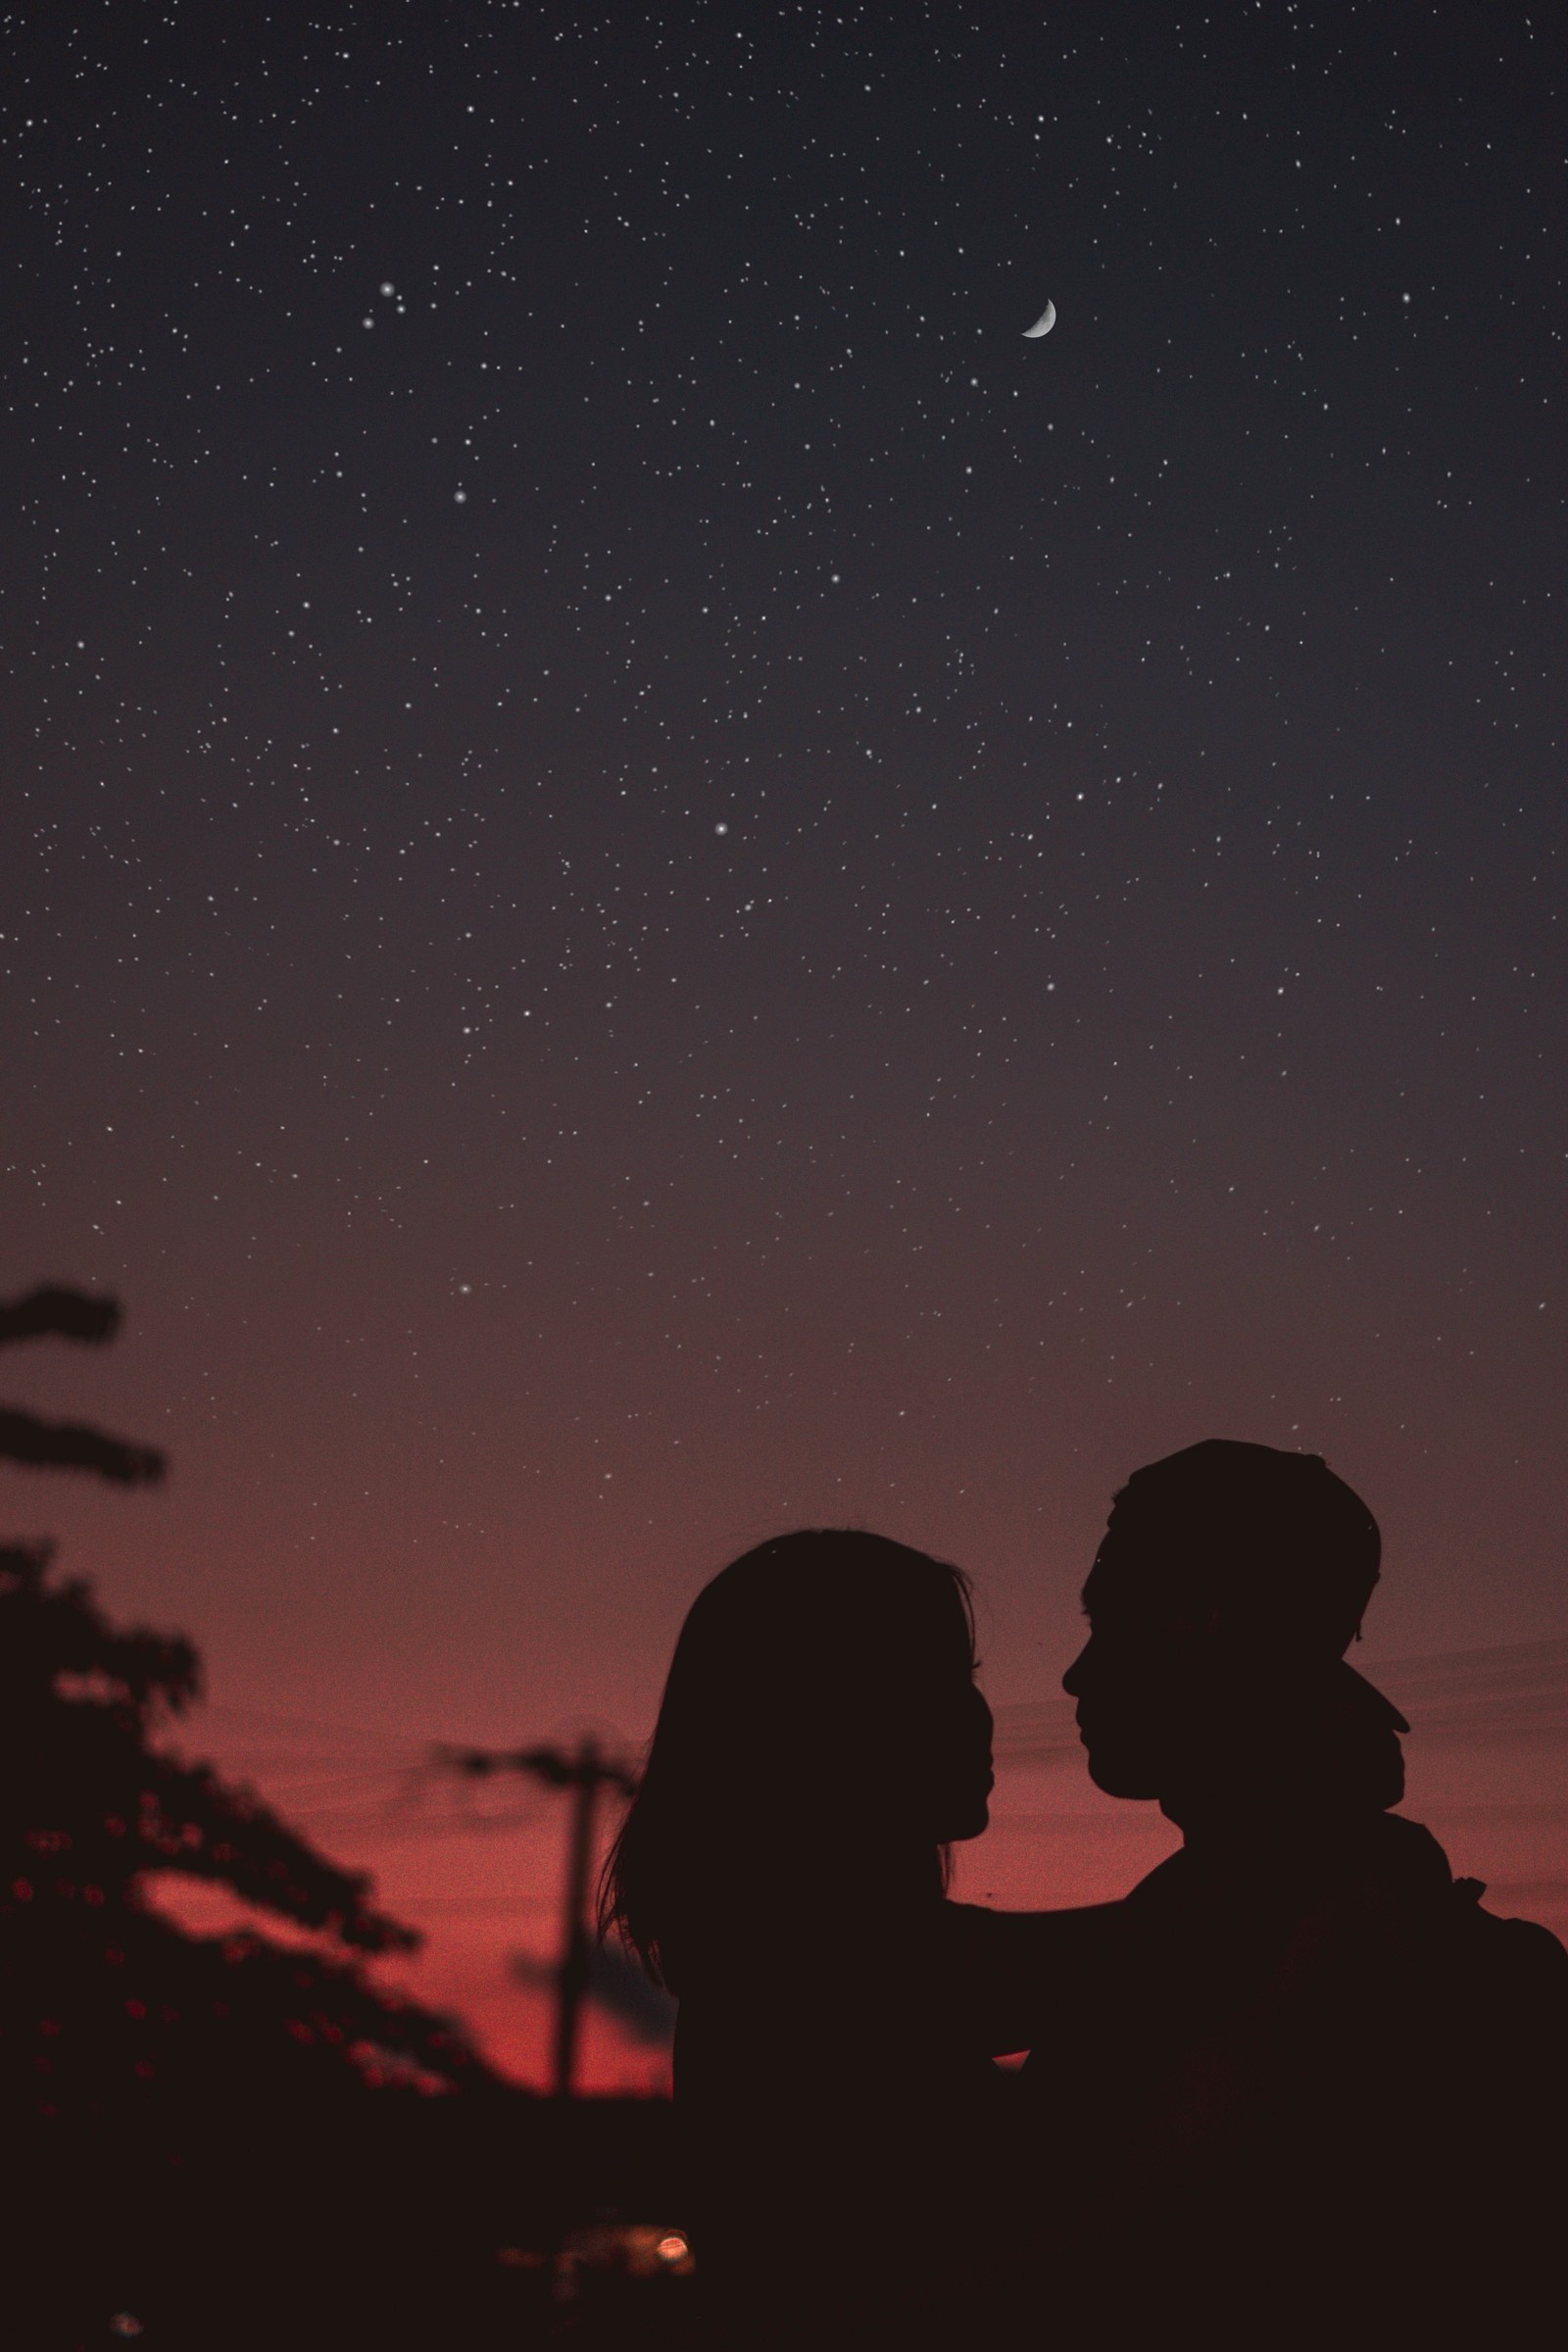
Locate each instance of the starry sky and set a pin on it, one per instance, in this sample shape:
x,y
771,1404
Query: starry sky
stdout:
x,y
655,880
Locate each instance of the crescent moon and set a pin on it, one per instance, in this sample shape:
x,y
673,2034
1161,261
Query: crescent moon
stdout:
x,y
1042,325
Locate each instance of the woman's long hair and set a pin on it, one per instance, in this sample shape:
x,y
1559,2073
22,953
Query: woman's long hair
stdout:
x,y
801,1701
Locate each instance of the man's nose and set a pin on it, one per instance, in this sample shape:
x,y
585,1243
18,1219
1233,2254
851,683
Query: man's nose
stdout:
x,y
1072,1682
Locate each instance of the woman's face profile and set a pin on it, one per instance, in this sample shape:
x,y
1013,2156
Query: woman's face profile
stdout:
x,y
917,1741
963,1781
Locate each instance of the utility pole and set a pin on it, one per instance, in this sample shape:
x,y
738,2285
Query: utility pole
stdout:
x,y
585,1772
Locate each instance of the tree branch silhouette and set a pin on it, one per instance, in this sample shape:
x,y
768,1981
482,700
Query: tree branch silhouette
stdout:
x,y
74,1446
111,2009
53,1311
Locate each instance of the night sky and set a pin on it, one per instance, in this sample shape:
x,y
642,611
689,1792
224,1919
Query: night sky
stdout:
x,y
659,881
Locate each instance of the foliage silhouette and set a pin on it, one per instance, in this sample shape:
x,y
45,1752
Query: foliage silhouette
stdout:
x,y
57,1312
163,2087
52,1311
89,1811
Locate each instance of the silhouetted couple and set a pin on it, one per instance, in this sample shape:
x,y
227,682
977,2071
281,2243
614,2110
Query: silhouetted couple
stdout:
x,y
1298,2089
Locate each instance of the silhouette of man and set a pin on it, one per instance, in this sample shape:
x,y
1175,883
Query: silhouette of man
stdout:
x,y
1318,2095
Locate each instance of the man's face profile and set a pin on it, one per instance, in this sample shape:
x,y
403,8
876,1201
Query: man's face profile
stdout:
x,y
1143,1677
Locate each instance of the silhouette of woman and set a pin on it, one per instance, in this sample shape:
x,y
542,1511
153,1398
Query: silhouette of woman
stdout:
x,y
783,1870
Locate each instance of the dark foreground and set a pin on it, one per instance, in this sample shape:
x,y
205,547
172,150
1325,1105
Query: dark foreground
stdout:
x,y
503,2221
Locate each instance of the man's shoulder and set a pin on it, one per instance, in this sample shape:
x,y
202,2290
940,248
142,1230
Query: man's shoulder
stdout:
x,y
1514,1959
1520,1948
1169,1881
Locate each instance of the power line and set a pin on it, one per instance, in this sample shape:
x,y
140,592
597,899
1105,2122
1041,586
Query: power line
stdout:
x,y
459,1906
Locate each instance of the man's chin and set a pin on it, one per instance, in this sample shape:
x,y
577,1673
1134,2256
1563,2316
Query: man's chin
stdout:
x,y
1123,1775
